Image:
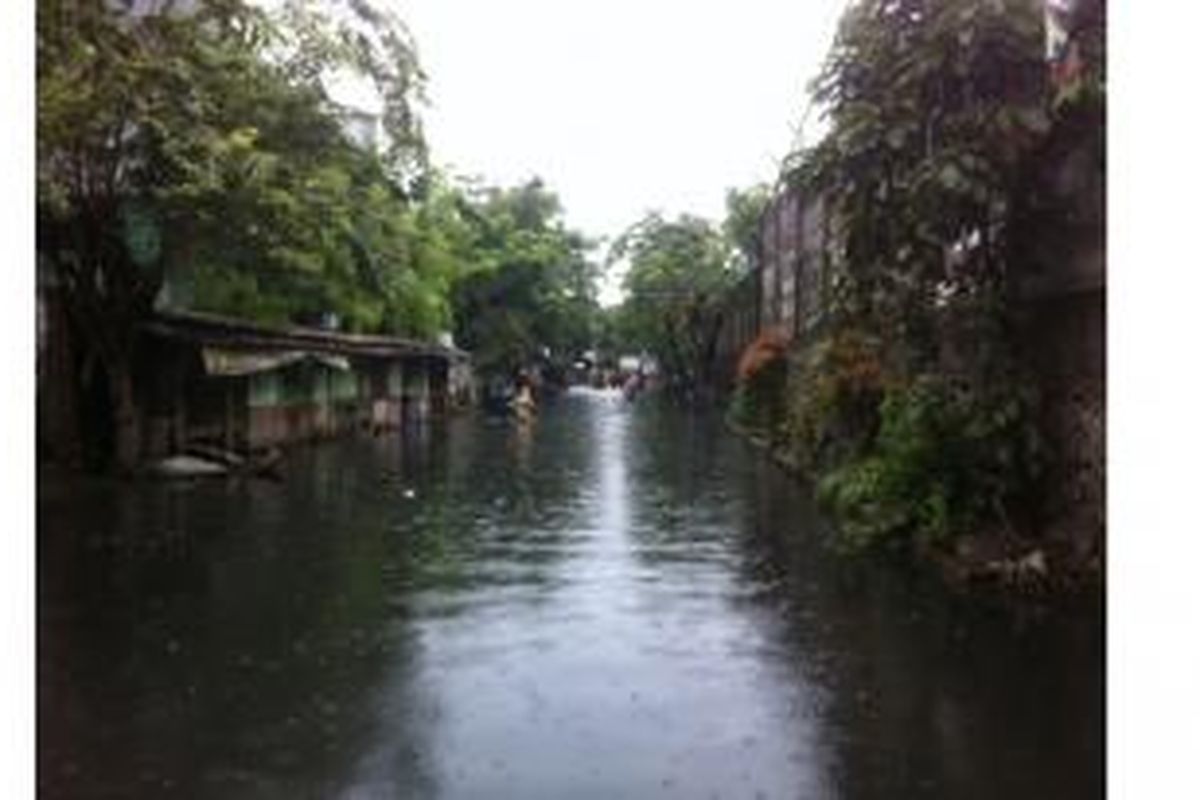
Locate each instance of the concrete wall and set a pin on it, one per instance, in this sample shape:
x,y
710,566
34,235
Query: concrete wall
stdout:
x,y
1064,337
1062,298
739,326
792,267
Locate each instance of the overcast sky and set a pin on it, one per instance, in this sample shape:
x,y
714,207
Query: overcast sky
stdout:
x,y
621,106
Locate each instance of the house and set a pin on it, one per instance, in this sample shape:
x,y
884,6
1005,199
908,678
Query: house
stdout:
x,y
210,380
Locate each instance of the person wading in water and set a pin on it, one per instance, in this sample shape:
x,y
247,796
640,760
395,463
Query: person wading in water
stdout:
x,y
523,404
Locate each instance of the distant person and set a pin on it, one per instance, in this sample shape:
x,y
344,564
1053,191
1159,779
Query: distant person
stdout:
x,y
523,404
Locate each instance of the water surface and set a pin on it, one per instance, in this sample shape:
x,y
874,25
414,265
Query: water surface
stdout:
x,y
618,601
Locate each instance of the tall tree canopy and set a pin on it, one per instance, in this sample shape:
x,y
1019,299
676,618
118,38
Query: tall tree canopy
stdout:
x,y
529,295
932,105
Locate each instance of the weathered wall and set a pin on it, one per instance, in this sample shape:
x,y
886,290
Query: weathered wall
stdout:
x,y
58,434
792,266
308,393
1064,336
182,405
739,326
1060,297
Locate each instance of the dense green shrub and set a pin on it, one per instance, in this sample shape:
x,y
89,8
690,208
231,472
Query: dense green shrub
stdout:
x,y
759,401
833,398
946,460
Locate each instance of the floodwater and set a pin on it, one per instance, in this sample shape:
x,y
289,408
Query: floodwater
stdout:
x,y
620,601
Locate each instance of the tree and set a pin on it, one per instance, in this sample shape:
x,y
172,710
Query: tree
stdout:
x,y
678,271
528,295
932,105
743,214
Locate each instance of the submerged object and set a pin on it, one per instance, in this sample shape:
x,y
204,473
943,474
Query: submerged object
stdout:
x,y
215,455
186,466
200,461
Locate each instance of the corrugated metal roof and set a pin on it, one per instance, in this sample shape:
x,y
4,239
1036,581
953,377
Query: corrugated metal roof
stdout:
x,y
230,363
211,330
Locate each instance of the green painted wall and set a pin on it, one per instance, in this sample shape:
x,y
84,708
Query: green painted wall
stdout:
x,y
343,384
313,384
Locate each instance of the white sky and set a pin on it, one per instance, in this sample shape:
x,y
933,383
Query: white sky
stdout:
x,y
621,106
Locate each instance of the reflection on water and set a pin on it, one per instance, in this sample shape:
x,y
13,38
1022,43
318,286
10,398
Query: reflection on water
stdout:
x,y
616,601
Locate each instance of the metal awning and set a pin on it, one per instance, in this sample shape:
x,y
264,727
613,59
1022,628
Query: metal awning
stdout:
x,y
233,363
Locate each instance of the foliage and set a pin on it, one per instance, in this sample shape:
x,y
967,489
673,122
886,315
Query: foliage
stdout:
x,y
933,103
201,149
833,398
205,127
295,220
946,460
615,334
289,239
323,40
678,271
528,291
758,401
204,139
743,212
941,121
768,346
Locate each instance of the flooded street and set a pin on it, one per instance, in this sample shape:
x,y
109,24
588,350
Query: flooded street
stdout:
x,y
619,601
